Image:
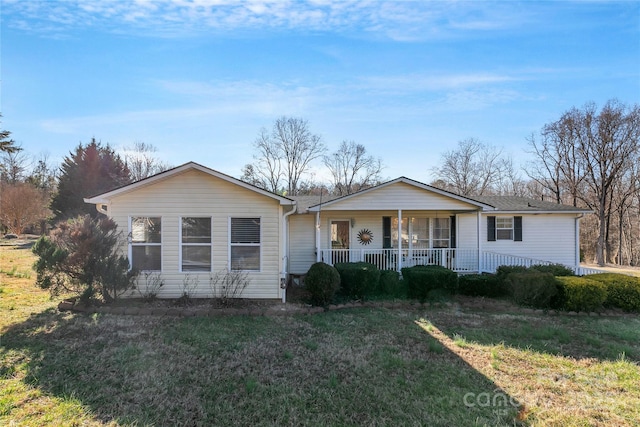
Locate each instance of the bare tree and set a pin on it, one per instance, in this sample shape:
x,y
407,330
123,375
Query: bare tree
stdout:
x,y
474,169
589,158
22,205
351,169
14,166
608,142
44,174
267,171
283,155
141,161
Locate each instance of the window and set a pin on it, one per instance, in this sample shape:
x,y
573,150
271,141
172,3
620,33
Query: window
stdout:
x,y
421,233
504,228
245,244
404,230
196,244
146,243
441,232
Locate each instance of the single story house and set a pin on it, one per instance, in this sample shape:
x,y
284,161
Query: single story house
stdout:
x,y
191,222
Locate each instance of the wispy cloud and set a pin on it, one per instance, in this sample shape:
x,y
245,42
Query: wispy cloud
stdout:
x,y
398,20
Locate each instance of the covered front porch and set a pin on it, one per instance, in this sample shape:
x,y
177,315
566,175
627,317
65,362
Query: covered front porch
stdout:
x,y
458,260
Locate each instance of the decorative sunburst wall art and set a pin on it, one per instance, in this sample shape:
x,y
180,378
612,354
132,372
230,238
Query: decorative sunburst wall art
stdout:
x,y
365,236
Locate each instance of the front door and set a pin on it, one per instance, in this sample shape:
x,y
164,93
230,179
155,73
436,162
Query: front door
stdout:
x,y
340,240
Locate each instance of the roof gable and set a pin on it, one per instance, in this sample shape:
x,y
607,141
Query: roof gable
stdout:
x,y
168,174
401,193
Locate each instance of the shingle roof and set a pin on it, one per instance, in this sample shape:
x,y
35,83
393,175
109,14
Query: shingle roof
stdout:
x,y
524,204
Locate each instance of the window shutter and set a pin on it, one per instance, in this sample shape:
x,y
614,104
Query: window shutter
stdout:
x,y
452,237
517,228
491,228
386,232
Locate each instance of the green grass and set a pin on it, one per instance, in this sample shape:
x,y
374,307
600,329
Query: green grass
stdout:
x,y
434,366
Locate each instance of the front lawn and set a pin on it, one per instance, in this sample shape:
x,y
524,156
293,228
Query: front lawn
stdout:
x,y
441,365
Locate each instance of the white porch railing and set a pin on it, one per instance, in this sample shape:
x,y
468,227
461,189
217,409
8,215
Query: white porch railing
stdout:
x,y
459,260
491,261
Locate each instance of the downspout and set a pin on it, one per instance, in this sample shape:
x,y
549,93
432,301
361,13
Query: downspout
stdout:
x,y
285,250
577,244
318,254
478,223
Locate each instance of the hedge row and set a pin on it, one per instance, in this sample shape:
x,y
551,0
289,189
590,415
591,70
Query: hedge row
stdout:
x,y
542,286
554,286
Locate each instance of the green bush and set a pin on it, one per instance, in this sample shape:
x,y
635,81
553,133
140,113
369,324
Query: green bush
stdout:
x,y
582,293
423,279
503,272
391,285
557,270
532,288
481,285
80,256
358,279
322,282
622,291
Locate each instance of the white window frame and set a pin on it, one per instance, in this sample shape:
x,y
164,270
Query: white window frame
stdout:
x,y
138,244
432,229
182,244
430,223
511,229
231,244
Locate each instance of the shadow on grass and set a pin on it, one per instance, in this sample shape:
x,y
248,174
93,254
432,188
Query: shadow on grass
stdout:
x,y
357,367
579,337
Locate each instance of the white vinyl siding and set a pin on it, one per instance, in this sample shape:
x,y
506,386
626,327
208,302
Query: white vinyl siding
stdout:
x,y
398,196
302,243
548,237
197,194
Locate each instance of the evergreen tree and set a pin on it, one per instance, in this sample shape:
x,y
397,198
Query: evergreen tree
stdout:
x,y
91,170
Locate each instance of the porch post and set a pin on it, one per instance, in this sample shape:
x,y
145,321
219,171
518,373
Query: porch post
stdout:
x,y
318,254
479,222
399,264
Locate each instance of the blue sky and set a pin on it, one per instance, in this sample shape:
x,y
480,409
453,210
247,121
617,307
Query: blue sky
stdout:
x,y
199,78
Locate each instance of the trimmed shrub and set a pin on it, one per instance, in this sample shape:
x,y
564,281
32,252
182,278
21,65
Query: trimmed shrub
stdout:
x,y
582,293
422,279
557,270
390,284
481,285
503,272
532,288
622,291
322,282
358,279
